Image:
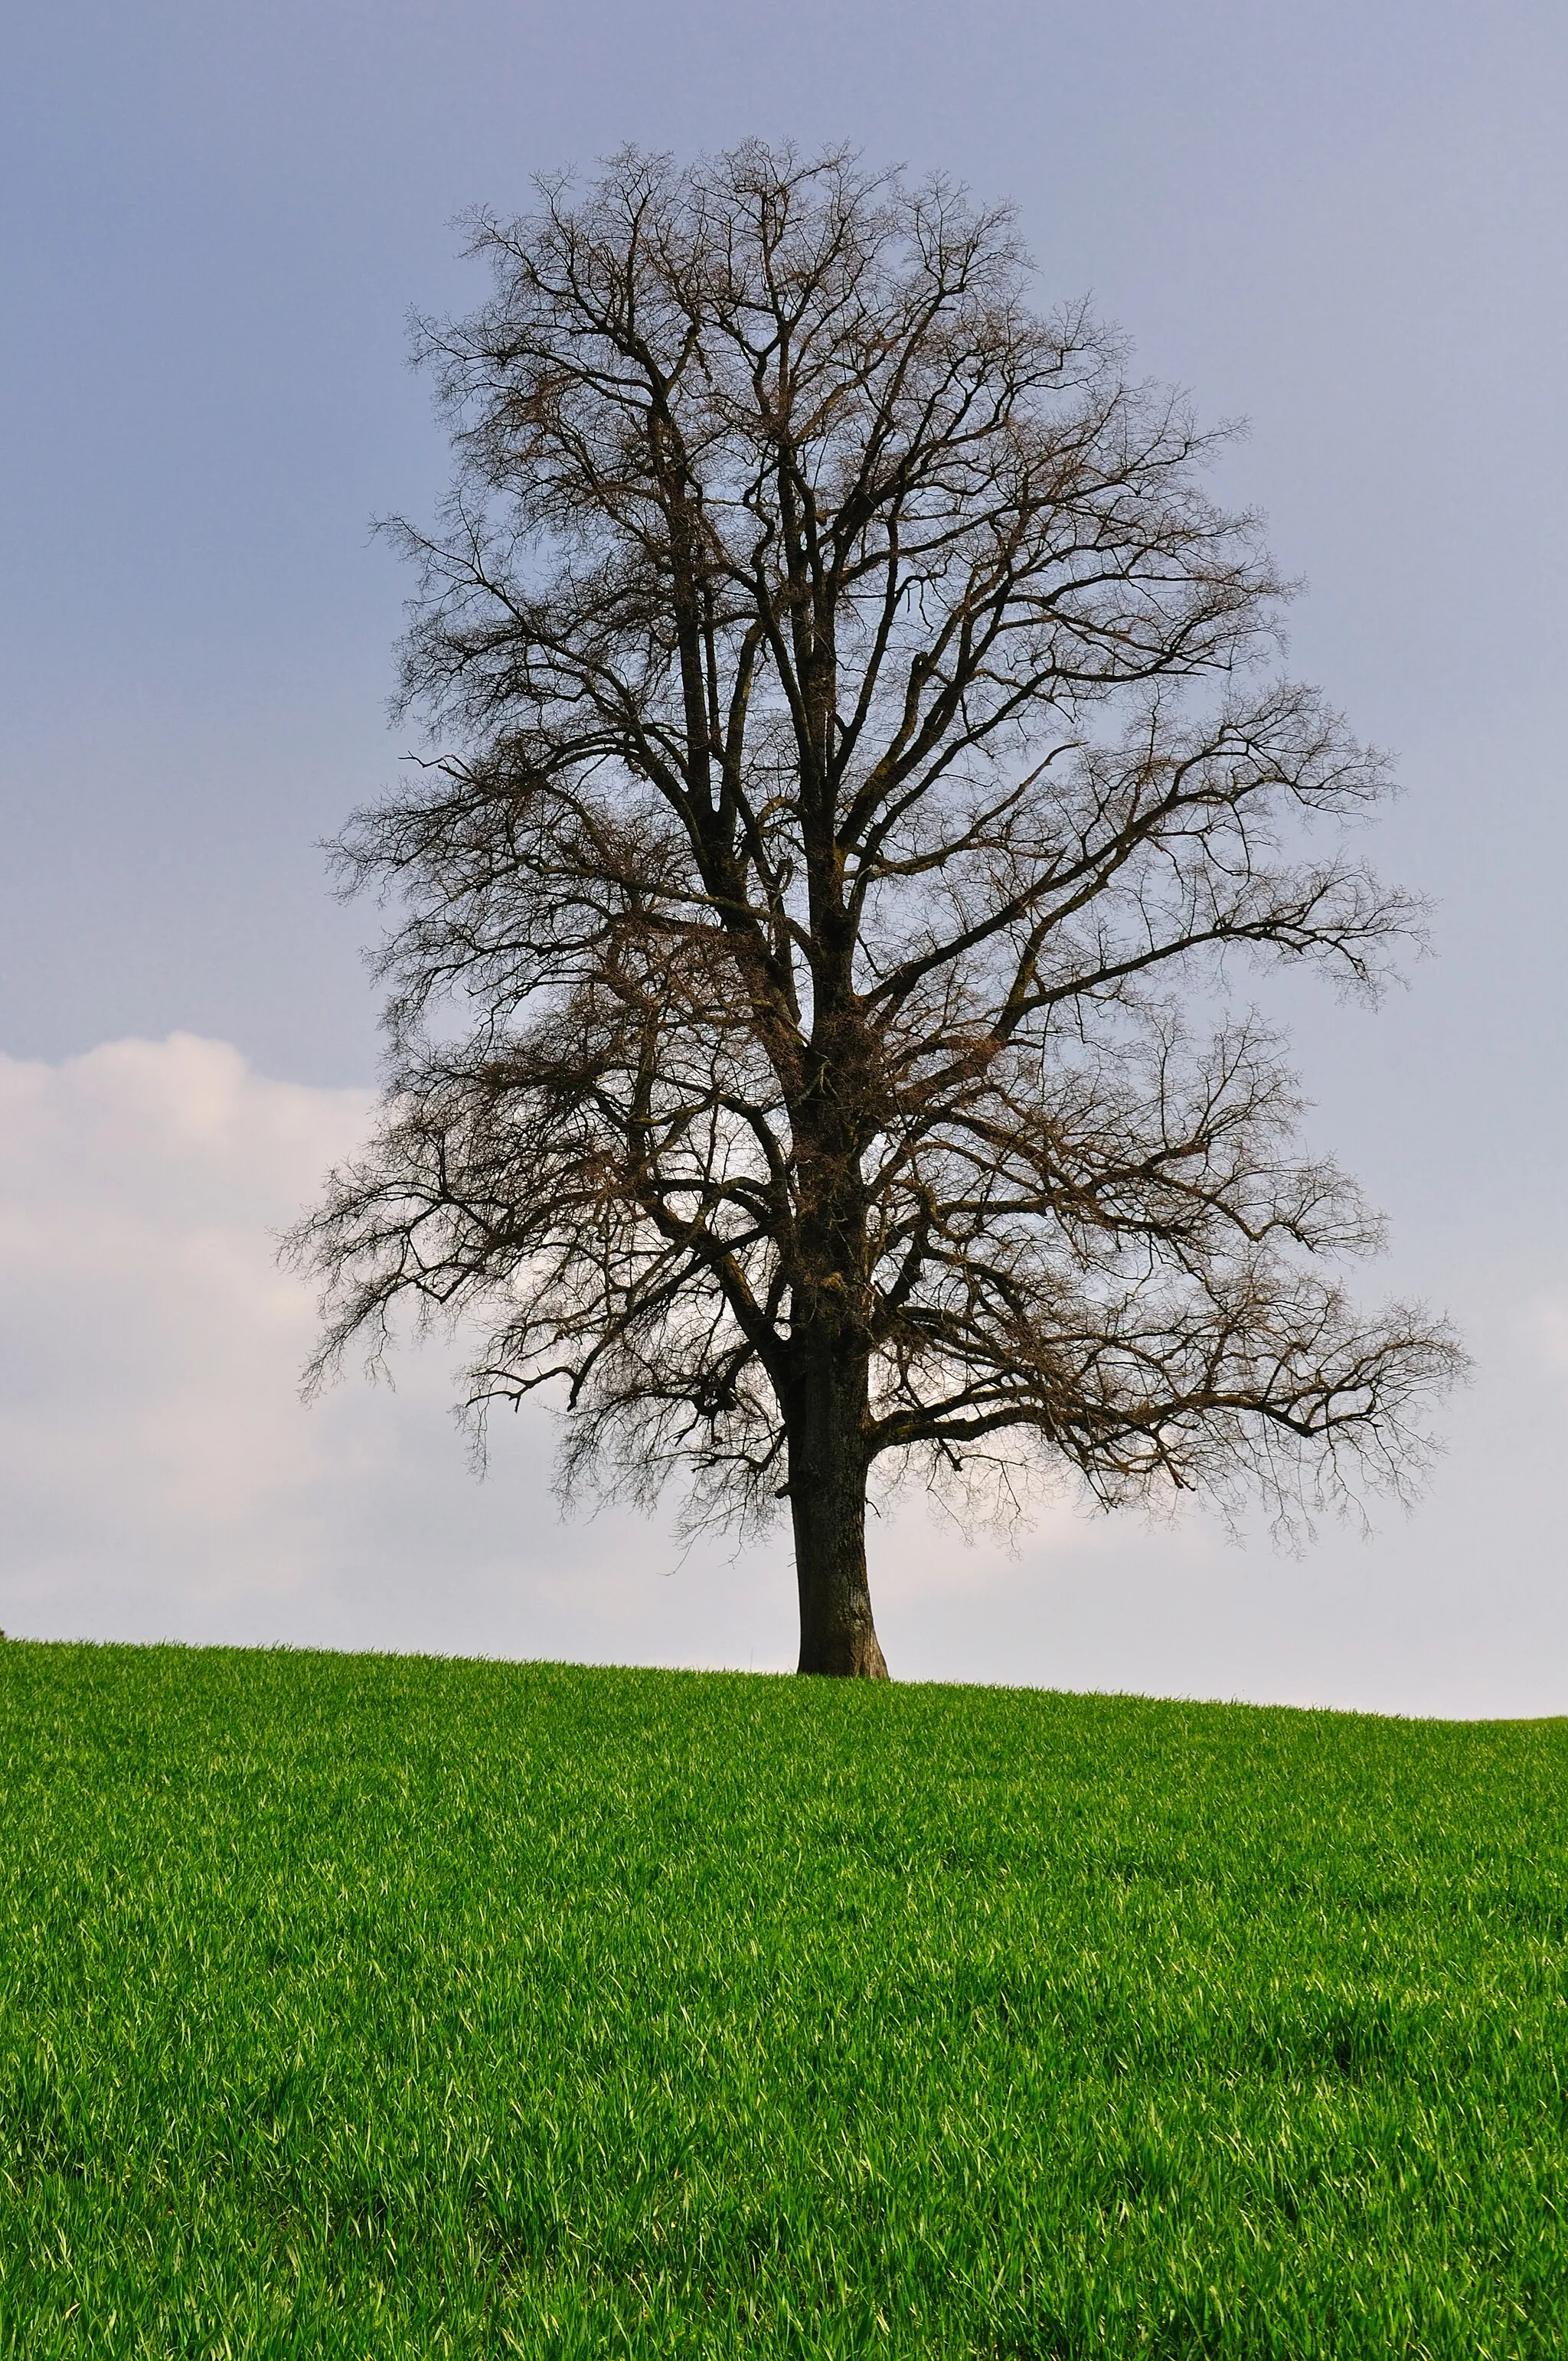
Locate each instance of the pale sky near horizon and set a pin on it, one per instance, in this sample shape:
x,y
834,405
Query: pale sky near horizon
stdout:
x,y
1346,223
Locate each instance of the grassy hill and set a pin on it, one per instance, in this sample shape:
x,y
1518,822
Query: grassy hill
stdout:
x,y
381,2006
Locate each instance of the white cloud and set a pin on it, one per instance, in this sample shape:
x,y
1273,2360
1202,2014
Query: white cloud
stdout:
x,y
160,1476
158,1473
147,1399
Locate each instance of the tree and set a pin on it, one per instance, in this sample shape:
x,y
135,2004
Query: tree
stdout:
x,y
858,762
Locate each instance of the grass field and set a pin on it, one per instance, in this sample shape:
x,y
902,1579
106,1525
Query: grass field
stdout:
x,y
378,2006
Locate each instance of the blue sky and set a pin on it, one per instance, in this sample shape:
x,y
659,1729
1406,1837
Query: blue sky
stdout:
x,y
1344,222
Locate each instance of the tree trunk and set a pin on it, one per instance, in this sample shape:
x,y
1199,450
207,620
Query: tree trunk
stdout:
x,y
828,1504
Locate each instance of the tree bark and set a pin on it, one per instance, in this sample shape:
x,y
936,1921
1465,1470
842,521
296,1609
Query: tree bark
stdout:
x,y
828,1504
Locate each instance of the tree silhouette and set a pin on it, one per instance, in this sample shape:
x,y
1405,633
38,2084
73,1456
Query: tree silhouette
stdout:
x,y
859,761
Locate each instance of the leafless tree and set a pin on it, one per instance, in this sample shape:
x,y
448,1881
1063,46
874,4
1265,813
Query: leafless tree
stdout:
x,y
858,756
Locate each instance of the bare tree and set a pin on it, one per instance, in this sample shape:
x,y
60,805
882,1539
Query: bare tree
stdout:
x,y
858,753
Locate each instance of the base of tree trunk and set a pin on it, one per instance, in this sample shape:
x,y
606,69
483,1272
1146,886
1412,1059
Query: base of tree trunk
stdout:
x,y
838,1633
854,1656
827,1508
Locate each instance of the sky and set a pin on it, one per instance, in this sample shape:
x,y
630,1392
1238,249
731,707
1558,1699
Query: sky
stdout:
x,y
1344,222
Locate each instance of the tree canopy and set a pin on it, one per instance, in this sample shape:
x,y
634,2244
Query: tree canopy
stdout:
x,y
859,762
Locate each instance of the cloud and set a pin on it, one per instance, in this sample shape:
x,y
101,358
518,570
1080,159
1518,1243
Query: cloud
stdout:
x,y
147,1408
160,1475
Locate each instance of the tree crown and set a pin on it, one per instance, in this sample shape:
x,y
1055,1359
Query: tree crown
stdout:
x,y
859,752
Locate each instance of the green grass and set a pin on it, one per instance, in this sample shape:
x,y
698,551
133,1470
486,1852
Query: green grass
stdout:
x,y
387,2006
